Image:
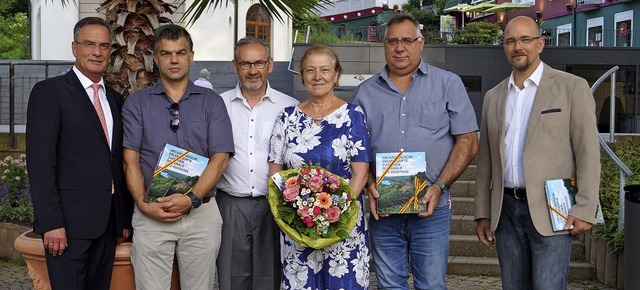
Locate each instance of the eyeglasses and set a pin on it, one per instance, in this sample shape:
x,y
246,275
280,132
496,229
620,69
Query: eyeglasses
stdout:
x,y
92,45
405,41
175,122
524,41
259,64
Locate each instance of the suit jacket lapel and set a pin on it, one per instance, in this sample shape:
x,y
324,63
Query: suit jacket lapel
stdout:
x,y
543,95
502,109
80,95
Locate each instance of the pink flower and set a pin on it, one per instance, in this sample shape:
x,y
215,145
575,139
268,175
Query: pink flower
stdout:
x,y
317,210
304,212
290,194
315,184
333,214
334,183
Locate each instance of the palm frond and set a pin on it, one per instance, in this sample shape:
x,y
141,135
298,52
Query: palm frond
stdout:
x,y
276,8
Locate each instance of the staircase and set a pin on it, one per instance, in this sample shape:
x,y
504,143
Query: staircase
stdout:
x,y
467,256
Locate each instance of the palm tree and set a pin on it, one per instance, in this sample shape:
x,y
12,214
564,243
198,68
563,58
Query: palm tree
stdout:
x,y
134,21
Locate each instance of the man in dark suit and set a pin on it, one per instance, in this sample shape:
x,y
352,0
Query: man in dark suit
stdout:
x,y
74,159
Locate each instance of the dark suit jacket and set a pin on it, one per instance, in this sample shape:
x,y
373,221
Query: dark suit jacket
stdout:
x,y
561,142
69,162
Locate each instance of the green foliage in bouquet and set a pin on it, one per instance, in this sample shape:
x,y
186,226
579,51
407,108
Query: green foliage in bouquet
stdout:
x,y
315,208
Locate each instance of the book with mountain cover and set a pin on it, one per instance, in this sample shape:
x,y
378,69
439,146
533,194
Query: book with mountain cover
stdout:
x,y
561,196
177,171
401,181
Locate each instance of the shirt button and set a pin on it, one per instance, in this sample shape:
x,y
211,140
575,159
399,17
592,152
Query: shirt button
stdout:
x,y
251,120
404,98
251,170
402,132
253,187
250,153
250,137
401,149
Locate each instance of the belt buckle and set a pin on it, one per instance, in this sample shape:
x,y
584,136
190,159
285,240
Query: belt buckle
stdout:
x,y
519,193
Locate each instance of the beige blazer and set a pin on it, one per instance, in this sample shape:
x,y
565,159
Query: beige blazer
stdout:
x,y
561,142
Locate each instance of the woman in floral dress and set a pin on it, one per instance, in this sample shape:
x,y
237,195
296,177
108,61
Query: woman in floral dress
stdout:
x,y
327,131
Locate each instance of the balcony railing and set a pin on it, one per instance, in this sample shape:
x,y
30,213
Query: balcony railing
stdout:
x,y
554,37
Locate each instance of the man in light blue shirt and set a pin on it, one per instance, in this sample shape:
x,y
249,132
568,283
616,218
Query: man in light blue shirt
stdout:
x,y
413,107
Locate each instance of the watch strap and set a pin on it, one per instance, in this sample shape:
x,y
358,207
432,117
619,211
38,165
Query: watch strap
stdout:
x,y
441,184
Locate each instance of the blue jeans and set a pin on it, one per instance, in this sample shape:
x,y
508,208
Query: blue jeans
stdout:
x,y
402,239
527,259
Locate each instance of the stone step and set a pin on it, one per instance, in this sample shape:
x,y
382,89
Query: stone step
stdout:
x,y
462,205
469,246
463,225
478,266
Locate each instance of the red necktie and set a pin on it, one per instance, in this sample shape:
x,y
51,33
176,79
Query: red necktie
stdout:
x,y
103,121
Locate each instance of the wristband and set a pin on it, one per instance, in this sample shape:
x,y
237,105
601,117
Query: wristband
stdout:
x,y
441,184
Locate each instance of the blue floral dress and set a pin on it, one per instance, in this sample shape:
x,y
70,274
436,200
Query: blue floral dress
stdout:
x,y
341,137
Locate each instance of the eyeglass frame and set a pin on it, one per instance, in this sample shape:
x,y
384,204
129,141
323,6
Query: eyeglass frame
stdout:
x,y
246,65
524,41
174,124
92,45
406,41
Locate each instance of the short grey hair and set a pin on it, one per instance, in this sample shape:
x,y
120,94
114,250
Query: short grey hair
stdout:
x,y
402,18
204,73
90,21
249,40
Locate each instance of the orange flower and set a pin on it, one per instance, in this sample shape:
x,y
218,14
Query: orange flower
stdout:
x,y
323,200
292,182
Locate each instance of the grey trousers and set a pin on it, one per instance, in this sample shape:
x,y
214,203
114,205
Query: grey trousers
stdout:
x,y
249,255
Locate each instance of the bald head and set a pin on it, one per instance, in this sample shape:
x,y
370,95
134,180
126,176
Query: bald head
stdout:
x,y
523,23
523,45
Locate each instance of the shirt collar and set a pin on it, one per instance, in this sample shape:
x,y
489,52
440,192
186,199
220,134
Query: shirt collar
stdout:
x,y
422,69
158,89
85,81
533,78
269,95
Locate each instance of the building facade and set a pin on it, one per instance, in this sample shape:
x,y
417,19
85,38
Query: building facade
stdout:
x,y
214,34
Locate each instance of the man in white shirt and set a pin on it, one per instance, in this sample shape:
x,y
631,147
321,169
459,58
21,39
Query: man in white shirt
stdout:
x,y
250,253
203,80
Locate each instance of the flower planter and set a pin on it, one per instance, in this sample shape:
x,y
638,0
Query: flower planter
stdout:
x,y
123,278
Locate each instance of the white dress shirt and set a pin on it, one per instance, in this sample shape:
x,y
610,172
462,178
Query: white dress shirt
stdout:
x,y
519,106
86,84
248,169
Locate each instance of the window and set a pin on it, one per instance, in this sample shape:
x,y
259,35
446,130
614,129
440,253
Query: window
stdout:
x,y
594,31
259,23
563,35
623,23
524,2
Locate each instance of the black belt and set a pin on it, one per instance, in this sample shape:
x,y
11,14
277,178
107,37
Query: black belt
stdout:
x,y
518,193
206,199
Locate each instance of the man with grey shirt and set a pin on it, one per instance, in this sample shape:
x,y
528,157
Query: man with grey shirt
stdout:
x,y
414,107
177,112
250,252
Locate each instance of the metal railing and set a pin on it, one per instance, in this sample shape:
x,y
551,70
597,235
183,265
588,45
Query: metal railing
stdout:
x,y
17,78
433,35
624,169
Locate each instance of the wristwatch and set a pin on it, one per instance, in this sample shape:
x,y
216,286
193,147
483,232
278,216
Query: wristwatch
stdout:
x,y
195,200
441,184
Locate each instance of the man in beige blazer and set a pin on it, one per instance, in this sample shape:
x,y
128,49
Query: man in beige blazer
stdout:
x,y
538,124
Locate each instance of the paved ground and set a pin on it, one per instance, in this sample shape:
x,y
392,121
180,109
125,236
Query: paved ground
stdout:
x,y
14,277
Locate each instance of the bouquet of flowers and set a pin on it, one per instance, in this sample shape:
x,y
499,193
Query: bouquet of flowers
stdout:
x,y
312,206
